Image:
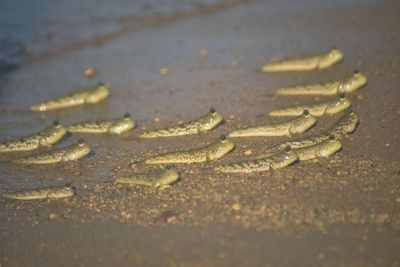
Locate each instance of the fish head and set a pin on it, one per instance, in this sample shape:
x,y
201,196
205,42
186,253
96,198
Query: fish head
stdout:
x,y
79,150
221,148
305,122
330,147
67,191
40,107
169,176
210,120
100,92
284,158
52,134
121,125
351,122
357,80
342,104
335,55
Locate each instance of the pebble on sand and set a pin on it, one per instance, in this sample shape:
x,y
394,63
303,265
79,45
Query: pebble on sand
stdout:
x,y
163,71
90,72
248,152
203,53
167,217
53,216
236,207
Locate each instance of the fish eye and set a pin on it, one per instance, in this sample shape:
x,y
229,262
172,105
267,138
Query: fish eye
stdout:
x,y
212,110
331,137
127,115
168,167
288,148
56,123
68,185
341,95
80,141
356,71
222,137
306,112
100,84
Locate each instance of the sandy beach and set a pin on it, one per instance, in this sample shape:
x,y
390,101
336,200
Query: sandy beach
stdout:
x,y
169,62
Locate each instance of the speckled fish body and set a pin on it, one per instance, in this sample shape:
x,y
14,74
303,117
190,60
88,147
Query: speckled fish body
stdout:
x,y
306,142
42,193
154,179
89,96
70,153
47,137
116,126
320,150
211,152
319,109
23,144
272,162
345,125
201,125
329,88
321,61
298,125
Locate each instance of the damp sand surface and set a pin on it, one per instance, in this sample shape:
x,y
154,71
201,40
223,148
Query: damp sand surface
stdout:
x,y
340,211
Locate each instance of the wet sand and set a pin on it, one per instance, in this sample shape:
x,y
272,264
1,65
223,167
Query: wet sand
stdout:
x,y
342,211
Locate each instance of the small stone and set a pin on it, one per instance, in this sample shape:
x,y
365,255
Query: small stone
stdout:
x,y
157,119
90,72
398,199
234,63
203,53
163,71
382,218
248,152
53,216
168,217
236,207
172,219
